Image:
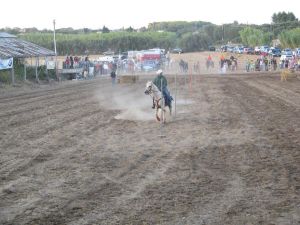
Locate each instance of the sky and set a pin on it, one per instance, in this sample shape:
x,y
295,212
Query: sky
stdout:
x,y
116,14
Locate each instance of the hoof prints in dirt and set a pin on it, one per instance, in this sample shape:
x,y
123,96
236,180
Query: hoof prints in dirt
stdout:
x,y
231,158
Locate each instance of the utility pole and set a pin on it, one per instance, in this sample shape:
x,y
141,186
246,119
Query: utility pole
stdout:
x,y
222,33
56,69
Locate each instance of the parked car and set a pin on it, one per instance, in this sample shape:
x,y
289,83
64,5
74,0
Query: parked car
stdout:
x,y
297,52
288,55
109,52
230,48
249,50
212,48
257,50
239,50
287,51
177,50
275,52
149,65
224,48
264,48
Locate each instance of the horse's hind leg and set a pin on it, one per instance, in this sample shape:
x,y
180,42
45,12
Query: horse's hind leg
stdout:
x,y
157,118
156,114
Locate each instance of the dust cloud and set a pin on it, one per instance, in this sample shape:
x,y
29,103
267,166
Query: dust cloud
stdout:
x,y
130,100
133,104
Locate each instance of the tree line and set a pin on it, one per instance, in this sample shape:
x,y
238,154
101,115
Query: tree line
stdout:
x,y
190,36
95,43
284,26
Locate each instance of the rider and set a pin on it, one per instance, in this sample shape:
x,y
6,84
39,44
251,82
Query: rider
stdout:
x,y
161,83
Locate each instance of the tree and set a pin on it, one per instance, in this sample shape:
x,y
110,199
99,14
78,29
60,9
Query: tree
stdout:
x,y
283,17
290,38
130,29
105,30
252,36
193,42
142,29
86,30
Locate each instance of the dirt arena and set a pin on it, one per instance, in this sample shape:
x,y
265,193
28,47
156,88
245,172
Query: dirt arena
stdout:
x,y
84,152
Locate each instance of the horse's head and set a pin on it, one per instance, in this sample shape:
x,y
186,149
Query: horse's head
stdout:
x,y
148,89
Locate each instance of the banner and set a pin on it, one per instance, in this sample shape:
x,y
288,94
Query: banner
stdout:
x,y
50,65
6,63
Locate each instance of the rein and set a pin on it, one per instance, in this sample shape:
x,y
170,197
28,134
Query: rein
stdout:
x,y
157,103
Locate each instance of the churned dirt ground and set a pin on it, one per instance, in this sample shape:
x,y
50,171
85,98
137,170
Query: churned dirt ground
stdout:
x,y
88,153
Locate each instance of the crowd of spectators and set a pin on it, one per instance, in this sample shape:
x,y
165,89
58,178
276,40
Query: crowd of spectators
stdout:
x,y
265,63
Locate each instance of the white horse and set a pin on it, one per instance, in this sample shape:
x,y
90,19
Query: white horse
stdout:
x,y
158,101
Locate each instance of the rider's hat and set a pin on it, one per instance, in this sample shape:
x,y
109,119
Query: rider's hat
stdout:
x,y
159,71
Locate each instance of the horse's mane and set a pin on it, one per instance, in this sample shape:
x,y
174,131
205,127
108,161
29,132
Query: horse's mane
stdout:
x,y
155,87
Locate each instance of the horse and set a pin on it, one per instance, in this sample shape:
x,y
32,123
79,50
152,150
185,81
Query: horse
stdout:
x,y
160,104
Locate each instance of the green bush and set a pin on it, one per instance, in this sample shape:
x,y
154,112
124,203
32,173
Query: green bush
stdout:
x,y
290,38
5,75
253,37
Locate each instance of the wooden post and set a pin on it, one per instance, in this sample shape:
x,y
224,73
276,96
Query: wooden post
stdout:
x,y
162,104
47,75
36,70
175,107
25,75
56,65
13,75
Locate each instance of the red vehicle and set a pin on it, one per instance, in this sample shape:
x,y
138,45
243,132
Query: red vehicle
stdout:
x,y
148,55
149,59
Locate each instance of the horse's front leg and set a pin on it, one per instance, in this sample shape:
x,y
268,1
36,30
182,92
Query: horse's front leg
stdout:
x,y
153,103
156,114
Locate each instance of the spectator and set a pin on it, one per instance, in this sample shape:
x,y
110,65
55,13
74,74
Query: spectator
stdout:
x,y
247,65
67,62
71,62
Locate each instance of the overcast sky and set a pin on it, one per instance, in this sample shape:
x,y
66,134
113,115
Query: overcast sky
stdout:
x,y
116,14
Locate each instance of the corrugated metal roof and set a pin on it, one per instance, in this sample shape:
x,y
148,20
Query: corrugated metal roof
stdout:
x,y
6,35
10,46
